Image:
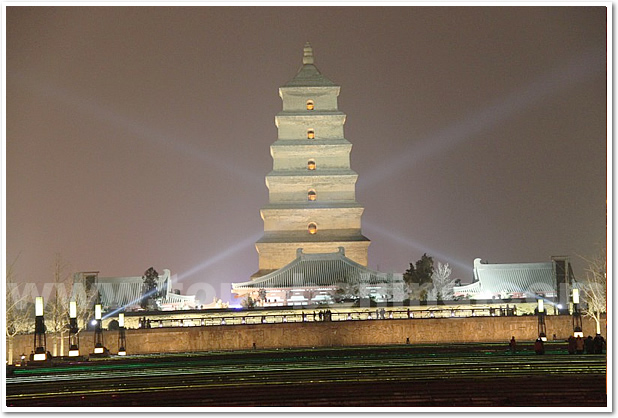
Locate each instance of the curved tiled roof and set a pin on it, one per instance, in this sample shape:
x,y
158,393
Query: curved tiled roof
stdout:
x,y
319,270
527,278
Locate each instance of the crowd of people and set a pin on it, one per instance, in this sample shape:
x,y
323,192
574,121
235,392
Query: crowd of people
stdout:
x,y
586,345
575,345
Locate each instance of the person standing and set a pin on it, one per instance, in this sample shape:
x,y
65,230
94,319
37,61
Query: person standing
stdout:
x,y
513,345
579,345
571,345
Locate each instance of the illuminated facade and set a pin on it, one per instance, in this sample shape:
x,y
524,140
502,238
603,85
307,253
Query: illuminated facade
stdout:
x,y
551,280
125,293
312,201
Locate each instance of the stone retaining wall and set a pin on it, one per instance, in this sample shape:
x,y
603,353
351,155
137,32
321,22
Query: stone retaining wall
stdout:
x,y
323,334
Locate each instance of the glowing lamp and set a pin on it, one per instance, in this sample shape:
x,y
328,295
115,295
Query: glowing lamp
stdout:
x,y
38,306
543,338
97,312
540,302
122,353
121,320
98,350
223,321
40,357
578,334
93,322
72,309
73,353
575,295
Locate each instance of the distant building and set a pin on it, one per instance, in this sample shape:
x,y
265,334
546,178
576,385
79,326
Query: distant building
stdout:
x,y
551,280
126,292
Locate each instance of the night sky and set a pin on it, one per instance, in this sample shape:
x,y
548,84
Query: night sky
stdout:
x,y
139,136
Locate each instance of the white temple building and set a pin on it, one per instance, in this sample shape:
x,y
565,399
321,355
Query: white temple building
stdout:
x,y
551,280
312,223
125,293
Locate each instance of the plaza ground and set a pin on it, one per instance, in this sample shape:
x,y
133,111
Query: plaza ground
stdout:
x,y
428,375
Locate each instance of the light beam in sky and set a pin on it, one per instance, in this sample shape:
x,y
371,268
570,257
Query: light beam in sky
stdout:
x,y
89,107
579,69
228,252
377,230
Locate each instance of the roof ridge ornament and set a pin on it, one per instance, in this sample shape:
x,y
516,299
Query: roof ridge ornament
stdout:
x,y
307,54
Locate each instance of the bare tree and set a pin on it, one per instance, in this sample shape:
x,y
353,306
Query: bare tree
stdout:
x,y
442,283
19,310
57,308
594,288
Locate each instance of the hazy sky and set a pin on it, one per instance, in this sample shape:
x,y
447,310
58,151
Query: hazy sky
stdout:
x,y
139,136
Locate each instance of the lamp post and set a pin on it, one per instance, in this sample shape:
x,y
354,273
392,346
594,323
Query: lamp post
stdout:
x,y
40,353
541,315
73,330
98,331
577,316
122,339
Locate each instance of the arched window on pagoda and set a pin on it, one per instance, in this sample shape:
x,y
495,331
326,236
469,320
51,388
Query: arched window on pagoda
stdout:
x,y
310,105
310,134
311,195
311,165
312,228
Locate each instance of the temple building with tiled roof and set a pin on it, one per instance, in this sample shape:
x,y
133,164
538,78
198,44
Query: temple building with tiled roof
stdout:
x,y
520,280
322,278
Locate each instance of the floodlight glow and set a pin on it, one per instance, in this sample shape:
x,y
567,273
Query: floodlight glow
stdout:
x,y
121,320
72,309
40,356
97,311
98,350
543,338
575,295
578,334
93,322
122,353
540,302
38,306
559,306
73,353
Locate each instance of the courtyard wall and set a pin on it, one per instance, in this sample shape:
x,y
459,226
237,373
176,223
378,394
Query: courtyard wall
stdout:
x,y
322,334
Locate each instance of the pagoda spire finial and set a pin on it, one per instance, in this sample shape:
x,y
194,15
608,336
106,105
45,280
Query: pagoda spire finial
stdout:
x,y
307,54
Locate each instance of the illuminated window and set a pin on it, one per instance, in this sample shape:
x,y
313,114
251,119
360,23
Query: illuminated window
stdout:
x,y
309,104
311,165
311,195
310,134
313,228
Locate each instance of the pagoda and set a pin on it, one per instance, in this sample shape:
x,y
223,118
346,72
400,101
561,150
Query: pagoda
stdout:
x,y
312,197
